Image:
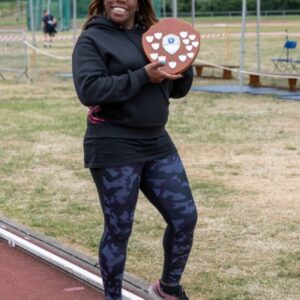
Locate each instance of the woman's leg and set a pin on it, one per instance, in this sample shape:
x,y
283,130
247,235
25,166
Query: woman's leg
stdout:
x,y
118,191
165,184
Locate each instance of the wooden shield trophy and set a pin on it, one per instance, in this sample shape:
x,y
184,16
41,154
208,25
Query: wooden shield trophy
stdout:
x,y
172,42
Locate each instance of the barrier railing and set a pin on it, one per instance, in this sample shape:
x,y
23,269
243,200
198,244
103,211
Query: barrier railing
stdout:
x,y
13,54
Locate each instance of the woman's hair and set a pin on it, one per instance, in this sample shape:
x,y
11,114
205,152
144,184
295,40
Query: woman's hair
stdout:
x,y
145,15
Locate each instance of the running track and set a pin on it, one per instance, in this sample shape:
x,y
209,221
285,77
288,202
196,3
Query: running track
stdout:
x,y
24,277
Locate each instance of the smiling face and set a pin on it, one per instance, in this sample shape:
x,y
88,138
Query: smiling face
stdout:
x,y
121,12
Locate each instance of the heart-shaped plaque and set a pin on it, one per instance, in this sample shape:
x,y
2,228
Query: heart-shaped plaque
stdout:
x,y
173,42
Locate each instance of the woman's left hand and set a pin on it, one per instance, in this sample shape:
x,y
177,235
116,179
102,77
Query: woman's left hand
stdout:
x,y
157,75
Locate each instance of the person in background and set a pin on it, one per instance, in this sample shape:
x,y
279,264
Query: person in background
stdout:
x,y
126,144
49,28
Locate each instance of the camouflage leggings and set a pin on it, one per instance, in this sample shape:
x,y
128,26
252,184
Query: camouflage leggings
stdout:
x,y
165,184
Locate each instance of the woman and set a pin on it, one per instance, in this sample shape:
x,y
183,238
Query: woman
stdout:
x,y
126,145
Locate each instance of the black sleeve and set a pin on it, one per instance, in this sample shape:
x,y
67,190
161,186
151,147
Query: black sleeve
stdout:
x,y
93,83
182,85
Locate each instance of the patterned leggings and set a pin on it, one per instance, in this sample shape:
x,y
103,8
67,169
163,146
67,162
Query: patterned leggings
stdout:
x,y
165,184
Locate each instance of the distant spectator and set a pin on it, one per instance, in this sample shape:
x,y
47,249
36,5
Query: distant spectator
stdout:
x,y
50,24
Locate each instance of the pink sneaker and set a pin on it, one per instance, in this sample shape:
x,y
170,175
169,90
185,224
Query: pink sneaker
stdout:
x,y
156,293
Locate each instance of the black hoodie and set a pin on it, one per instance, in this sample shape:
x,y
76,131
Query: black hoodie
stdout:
x,y
108,71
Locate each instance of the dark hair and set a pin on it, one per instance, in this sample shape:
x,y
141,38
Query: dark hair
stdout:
x,y
145,16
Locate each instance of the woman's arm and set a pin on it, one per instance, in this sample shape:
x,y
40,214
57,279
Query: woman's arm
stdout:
x,y
94,84
182,85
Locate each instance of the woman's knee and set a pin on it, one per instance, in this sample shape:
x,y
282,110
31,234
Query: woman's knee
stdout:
x,y
186,223
191,220
119,233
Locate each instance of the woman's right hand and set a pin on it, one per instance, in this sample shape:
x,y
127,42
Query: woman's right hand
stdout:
x,y
157,75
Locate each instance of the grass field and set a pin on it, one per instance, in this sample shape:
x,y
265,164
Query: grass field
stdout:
x,y
241,152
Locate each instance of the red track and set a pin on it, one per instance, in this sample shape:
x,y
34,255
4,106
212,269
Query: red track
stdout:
x,y
24,277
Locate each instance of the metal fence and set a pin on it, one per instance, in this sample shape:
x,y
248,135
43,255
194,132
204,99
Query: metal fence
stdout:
x,y
234,13
13,54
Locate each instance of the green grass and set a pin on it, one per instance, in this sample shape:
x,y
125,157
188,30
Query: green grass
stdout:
x,y
289,265
241,154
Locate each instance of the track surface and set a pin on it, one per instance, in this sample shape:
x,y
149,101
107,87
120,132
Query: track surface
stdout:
x,y
24,277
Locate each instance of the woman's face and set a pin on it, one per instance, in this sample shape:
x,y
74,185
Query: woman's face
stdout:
x,y
121,11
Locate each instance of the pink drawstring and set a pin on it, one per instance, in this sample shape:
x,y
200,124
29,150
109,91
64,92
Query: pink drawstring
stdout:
x,y
92,118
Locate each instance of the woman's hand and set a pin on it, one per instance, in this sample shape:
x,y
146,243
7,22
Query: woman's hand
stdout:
x,y
157,75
